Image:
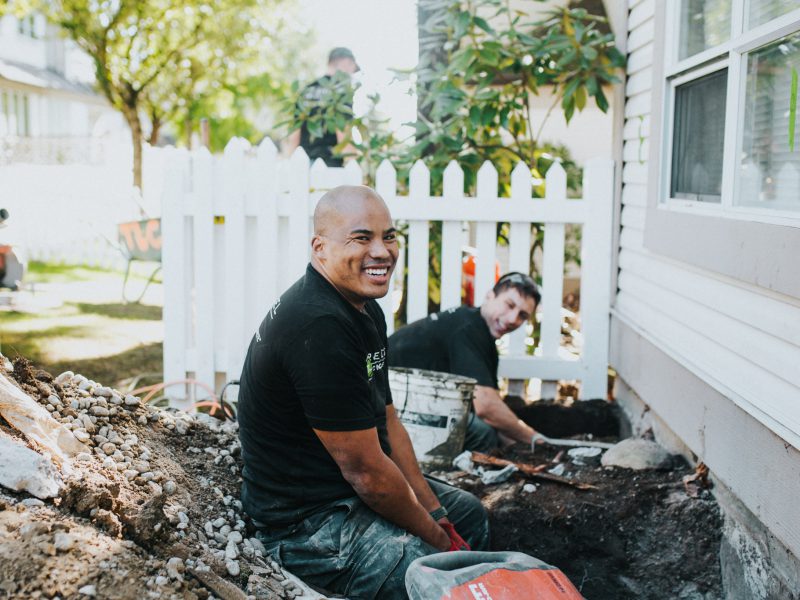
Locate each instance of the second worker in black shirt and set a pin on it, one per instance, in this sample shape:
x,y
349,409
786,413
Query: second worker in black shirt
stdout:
x,y
461,341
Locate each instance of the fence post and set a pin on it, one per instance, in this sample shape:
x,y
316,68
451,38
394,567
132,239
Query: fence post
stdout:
x,y
553,274
598,193
203,267
452,234
174,256
386,186
418,237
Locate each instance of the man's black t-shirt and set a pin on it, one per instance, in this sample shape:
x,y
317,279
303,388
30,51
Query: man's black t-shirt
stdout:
x,y
456,341
317,93
315,362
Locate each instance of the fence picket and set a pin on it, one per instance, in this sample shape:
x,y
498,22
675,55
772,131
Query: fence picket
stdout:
x,y
203,252
353,174
485,235
452,240
598,186
386,186
520,243
418,238
266,212
234,180
174,256
299,184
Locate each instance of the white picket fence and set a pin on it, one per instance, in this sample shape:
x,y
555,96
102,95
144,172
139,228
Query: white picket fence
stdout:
x,y
236,231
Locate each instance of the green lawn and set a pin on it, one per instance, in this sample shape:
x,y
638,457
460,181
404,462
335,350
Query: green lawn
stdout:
x,y
85,327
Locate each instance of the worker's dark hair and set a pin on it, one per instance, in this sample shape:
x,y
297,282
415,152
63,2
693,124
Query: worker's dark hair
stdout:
x,y
520,282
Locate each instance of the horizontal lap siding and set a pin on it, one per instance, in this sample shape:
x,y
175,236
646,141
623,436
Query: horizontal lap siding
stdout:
x,y
743,340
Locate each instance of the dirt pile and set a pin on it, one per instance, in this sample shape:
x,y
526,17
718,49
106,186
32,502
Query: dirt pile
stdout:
x,y
149,510
629,534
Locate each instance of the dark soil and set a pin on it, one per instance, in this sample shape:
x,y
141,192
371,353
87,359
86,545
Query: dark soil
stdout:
x,y
639,534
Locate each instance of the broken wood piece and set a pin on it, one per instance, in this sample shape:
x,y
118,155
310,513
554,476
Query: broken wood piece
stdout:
x,y
484,459
529,470
696,481
221,588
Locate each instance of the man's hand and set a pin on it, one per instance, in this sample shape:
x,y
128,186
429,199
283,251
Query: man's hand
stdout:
x,y
456,541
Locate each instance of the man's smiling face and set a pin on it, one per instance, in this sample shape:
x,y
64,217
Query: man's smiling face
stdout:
x,y
506,311
357,248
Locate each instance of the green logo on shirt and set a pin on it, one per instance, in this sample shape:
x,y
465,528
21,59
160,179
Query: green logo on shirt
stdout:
x,y
370,370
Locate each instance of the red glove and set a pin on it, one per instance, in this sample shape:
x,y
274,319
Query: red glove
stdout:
x,y
456,541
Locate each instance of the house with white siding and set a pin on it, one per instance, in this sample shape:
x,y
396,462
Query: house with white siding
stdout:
x,y
49,111
705,323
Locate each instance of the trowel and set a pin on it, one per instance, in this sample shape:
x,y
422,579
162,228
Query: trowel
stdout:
x,y
569,443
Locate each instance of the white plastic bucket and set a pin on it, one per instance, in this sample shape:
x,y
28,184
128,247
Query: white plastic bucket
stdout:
x,y
434,407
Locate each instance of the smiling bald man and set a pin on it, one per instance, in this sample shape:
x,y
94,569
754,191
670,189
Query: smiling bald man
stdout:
x,y
330,476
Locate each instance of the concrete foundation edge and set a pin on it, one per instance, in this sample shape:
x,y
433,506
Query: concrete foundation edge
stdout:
x,y
755,564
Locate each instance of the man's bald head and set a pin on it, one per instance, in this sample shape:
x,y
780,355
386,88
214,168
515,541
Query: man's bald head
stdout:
x,y
355,243
343,202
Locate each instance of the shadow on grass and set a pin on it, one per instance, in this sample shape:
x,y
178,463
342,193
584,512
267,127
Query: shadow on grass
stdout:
x,y
29,343
108,370
144,312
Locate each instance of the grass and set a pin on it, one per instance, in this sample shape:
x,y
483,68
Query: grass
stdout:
x,y
105,341
41,272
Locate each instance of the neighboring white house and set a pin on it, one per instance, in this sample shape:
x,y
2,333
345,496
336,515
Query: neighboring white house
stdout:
x,y
706,321
46,95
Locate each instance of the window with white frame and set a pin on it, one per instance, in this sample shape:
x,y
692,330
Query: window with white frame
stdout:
x,y
732,136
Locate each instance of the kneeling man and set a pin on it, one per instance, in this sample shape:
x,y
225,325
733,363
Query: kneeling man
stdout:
x,y
462,341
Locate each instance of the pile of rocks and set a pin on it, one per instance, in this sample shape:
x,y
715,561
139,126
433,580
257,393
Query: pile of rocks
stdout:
x,y
162,485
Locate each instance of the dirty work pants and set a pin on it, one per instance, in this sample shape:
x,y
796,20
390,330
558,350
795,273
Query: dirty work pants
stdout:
x,y
346,548
480,436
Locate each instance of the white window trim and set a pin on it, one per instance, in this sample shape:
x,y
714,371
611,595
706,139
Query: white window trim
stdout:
x,y
733,55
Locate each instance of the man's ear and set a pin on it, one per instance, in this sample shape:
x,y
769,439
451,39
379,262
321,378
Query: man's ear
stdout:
x,y
318,247
490,295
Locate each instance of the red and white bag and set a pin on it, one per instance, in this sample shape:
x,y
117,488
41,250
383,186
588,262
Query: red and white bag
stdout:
x,y
486,576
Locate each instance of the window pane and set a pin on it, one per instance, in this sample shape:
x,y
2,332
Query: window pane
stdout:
x,y
697,138
769,172
704,24
761,11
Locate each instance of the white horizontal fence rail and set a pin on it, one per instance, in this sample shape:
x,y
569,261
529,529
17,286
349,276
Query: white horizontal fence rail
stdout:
x,y
236,234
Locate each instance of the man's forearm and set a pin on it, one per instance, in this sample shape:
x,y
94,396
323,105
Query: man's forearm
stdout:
x,y
491,408
386,490
405,459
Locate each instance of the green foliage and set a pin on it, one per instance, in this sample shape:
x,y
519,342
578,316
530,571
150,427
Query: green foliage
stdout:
x,y
163,57
475,105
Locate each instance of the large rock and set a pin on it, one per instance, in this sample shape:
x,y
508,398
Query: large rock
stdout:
x,y
23,470
637,454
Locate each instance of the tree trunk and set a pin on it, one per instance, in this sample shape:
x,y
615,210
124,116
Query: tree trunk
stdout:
x,y
155,132
132,118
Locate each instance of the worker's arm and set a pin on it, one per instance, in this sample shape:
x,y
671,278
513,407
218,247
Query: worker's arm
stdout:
x,y
380,483
491,408
405,459
291,142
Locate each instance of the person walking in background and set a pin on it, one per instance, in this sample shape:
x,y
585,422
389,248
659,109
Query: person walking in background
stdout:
x,y
323,109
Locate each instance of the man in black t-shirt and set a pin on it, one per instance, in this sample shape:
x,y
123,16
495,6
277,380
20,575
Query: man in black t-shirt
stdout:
x,y
462,341
331,91
330,476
